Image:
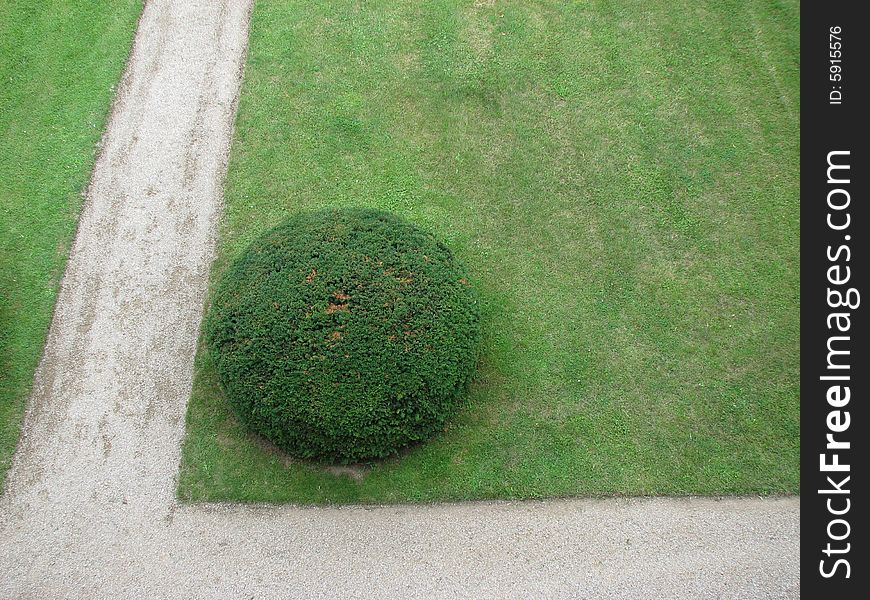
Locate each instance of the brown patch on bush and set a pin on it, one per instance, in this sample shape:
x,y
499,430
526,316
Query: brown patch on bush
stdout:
x,y
336,307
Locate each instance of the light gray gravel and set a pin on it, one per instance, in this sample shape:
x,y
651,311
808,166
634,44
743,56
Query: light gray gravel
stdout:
x,y
89,506
642,548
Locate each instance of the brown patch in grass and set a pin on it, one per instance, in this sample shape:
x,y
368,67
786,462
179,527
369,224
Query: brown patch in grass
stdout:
x,y
408,61
355,472
478,30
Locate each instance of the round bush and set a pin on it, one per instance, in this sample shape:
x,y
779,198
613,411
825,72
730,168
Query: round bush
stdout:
x,y
344,335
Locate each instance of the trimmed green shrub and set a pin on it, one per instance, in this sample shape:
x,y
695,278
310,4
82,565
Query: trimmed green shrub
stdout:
x,y
344,335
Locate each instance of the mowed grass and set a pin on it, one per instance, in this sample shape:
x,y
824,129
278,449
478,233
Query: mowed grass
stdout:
x,y
59,61
621,180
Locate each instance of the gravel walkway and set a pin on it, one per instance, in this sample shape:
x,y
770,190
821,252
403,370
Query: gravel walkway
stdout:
x,y
89,506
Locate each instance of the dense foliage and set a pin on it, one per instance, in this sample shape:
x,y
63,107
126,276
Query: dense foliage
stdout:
x,y
344,335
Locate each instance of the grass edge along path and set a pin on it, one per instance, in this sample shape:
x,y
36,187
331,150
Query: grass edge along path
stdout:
x,y
60,63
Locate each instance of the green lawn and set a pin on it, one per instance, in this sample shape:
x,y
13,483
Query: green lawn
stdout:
x,y
621,179
59,61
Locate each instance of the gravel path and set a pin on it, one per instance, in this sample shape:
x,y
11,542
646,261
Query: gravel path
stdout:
x,y
89,505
